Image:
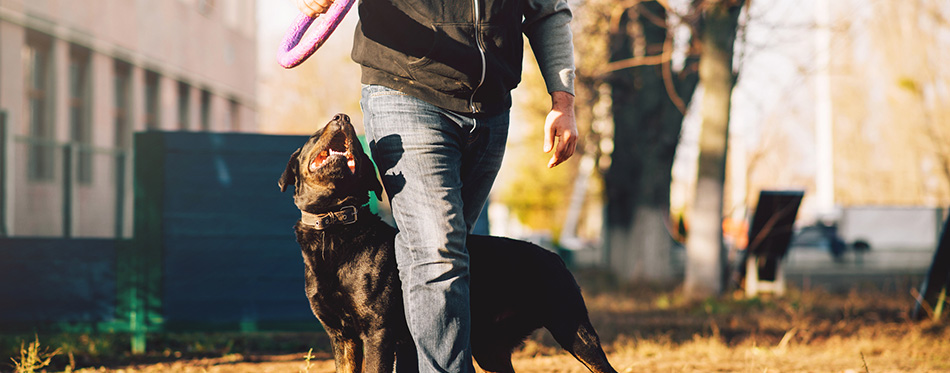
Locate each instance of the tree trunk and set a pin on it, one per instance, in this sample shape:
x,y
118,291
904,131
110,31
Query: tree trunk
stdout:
x,y
647,125
704,249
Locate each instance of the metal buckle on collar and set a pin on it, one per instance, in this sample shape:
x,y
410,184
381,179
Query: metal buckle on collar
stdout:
x,y
346,216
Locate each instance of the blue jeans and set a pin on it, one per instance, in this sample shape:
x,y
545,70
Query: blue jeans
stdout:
x,y
438,167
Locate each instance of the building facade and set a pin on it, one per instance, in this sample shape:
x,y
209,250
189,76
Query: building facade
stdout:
x,y
78,78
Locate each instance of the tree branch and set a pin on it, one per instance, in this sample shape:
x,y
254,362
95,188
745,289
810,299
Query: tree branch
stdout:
x,y
668,76
635,62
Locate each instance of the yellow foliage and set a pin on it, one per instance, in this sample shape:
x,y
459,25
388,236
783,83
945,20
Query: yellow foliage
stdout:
x,y
535,194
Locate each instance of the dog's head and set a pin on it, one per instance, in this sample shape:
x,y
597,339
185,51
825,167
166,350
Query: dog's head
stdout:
x,y
331,169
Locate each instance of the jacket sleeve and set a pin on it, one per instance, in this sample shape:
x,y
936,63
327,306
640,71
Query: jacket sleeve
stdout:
x,y
547,25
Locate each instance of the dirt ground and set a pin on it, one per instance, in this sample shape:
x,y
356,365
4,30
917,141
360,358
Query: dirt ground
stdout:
x,y
647,331
917,350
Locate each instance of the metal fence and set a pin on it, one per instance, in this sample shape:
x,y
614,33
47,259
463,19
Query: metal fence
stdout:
x,y
3,173
50,188
213,246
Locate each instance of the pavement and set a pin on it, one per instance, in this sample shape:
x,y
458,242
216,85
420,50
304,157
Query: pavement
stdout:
x,y
887,270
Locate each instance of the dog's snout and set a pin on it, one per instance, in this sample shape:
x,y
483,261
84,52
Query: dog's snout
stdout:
x,y
342,118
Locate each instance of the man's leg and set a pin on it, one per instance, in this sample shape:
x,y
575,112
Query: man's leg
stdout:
x,y
422,153
481,160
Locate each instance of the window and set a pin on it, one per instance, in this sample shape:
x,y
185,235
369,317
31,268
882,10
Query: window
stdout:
x,y
184,106
80,127
205,110
235,109
120,114
151,100
36,68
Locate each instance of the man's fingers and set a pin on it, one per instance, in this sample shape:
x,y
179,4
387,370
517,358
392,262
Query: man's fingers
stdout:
x,y
560,126
312,8
304,7
566,144
554,162
549,134
323,4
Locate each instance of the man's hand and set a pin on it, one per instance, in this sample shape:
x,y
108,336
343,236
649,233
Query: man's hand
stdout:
x,y
312,8
560,125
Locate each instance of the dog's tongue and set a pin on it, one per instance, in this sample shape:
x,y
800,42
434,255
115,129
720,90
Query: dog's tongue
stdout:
x,y
351,163
318,161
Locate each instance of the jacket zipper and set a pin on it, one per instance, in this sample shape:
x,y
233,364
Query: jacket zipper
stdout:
x,y
481,52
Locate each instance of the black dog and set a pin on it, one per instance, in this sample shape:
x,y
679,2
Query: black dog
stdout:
x,y
354,289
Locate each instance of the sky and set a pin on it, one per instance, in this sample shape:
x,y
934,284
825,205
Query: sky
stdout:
x,y
273,19
775,77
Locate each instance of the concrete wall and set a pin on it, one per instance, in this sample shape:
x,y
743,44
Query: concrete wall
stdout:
x,y
206,48
892,228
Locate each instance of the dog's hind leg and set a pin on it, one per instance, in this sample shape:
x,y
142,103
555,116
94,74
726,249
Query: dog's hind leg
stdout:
x,y
493,358
582,341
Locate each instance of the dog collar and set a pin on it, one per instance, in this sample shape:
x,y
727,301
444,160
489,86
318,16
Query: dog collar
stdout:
x,y
345,216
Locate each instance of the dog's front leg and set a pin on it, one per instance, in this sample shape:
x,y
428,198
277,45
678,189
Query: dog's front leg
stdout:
x,y
380,352
347,352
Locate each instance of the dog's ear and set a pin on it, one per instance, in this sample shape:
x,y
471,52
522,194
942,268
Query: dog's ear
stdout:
x,y
290,173
369,177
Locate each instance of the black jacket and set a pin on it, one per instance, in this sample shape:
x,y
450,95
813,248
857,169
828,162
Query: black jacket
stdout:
x,y
461,55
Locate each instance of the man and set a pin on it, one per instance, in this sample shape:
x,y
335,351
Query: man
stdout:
x,y
437,78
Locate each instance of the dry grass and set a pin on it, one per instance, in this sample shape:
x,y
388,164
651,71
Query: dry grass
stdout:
x,y
645,330
803,332
890,349
33,358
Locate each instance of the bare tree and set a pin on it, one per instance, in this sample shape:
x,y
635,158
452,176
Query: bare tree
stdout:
x,y
704,263
649,100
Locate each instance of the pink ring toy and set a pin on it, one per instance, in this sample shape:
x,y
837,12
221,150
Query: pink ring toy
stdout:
x,y
292,52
